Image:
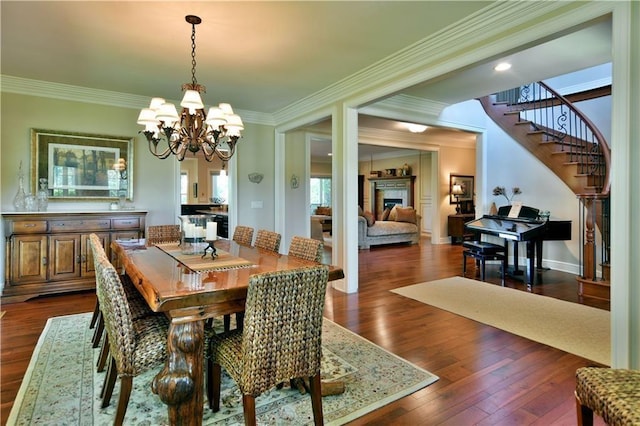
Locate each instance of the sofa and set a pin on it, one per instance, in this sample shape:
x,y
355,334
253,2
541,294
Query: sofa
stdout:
x,y
375,232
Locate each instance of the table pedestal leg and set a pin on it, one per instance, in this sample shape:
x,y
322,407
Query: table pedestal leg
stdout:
x,y
179,384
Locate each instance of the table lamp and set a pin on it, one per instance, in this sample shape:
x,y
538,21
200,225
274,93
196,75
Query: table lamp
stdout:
x,y
457,191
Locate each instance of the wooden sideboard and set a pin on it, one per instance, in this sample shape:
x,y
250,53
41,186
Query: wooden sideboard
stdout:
x,y
455,226
49,252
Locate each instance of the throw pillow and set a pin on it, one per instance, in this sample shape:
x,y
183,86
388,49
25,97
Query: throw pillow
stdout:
x,y
369,218
360,212
406,214
385,214
393,213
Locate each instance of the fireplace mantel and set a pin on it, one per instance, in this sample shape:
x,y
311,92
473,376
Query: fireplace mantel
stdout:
x,y
395,187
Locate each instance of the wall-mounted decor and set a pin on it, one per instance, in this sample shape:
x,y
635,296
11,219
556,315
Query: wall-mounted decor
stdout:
x,y
255,177
466,184
81,165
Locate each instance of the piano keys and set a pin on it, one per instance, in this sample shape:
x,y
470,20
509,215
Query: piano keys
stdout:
x,y
528,228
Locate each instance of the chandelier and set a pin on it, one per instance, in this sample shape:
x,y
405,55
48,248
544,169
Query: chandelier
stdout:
x,y
215,133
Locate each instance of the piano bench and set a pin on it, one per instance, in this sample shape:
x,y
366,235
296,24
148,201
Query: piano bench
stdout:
x,y
483,252
483,247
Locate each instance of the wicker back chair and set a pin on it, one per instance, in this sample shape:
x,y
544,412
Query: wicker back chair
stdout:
x,y
268,240
134,345
243,235
158,234
281,338
611,393
306,248
137,304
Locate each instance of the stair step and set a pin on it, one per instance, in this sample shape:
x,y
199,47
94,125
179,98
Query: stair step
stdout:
x,y
594,289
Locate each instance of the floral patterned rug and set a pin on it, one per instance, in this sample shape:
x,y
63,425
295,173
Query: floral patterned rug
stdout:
x,y
61,385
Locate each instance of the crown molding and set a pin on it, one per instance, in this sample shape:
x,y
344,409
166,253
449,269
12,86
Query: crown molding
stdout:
x,y
68,92
390,74
406,108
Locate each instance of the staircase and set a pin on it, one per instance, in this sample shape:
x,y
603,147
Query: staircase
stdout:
x,y
550,127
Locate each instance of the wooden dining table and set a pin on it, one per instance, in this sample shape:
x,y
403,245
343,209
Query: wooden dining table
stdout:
x,y
190,290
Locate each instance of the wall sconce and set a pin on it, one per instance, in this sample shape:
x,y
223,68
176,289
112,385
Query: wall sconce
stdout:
x,y
457,191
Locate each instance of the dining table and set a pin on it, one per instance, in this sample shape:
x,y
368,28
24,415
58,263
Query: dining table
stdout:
x,y
190,288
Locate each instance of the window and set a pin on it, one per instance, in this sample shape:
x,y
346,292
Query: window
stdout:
x,y
219,188
320,190
184,188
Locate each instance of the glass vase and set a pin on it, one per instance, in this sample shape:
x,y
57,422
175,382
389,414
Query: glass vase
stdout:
x,y
20,198
43,196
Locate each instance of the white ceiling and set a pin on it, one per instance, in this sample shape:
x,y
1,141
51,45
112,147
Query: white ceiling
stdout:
x,y
259,56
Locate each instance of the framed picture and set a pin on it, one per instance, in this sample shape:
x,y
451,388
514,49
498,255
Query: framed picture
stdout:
x,y
466,182
80,166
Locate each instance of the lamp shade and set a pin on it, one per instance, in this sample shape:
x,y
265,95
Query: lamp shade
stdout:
x,y
147,116
192,100
168,113
457,189
216,117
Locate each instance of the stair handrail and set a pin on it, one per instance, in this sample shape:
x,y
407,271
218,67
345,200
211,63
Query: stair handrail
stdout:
x,y
602,141
519,98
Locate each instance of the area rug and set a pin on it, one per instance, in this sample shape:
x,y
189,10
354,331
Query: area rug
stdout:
x,y
577,329
61,385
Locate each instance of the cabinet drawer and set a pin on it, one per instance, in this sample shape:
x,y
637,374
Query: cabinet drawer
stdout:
x,y
79,225
29,227
126,223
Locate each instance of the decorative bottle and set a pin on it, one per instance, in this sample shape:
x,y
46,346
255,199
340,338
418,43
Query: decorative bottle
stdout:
x,y
43,196
20,198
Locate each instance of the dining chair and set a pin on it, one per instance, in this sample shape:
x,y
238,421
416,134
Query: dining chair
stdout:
x,y
137,305
280,341
243,235
135,346
268,240
158,234
611,393
306,248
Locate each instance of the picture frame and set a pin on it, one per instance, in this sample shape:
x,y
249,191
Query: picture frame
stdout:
x,y
467,183
82,166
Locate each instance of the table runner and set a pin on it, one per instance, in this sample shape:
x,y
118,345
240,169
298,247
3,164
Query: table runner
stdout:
x,y
197,263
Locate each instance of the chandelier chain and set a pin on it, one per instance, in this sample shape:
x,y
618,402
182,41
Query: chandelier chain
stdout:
x,y
193,55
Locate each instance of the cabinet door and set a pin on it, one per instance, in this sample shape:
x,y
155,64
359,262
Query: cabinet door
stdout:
x,y
65,257
87,264
29,259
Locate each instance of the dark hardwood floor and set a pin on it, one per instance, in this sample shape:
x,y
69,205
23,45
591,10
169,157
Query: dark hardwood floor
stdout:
x,y
487,376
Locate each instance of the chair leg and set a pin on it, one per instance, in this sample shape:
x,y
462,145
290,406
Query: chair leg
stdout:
x,y
249,406
239,320
315,388
227,322
464,264
504,270
482,271
584,413
94,317
97,333
213,385
126,383
104,354
110,382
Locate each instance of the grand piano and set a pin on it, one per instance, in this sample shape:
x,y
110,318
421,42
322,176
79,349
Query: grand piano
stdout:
x,y
524,225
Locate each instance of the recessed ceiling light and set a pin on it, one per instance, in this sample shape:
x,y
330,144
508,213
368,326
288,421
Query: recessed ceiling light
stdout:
x,y
502,66
329,154
416,128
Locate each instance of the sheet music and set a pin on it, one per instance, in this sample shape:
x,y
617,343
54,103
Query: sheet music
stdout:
x,y
515,209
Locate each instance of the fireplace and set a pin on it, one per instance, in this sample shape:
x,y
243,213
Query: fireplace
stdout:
x,y
389,191
388,203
